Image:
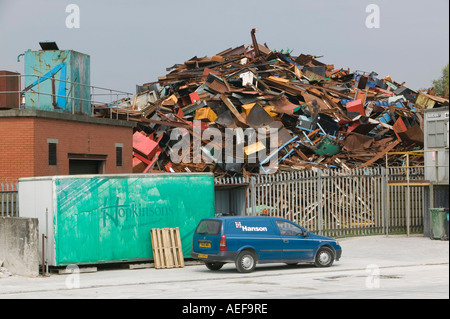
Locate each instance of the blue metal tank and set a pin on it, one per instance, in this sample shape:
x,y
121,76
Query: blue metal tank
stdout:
x,y
57,80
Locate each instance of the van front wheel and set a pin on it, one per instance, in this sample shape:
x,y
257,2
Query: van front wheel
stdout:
x,y
246,261
324,257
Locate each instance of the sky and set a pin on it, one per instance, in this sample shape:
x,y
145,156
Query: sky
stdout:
x,y
133,42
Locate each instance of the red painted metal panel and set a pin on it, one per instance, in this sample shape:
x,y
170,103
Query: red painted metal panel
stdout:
x,y
356,107
144,145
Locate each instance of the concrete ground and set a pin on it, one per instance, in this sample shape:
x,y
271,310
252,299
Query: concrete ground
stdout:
x,y
371,267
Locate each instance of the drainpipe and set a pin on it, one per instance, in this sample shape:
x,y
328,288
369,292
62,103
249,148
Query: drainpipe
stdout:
x,y
18,57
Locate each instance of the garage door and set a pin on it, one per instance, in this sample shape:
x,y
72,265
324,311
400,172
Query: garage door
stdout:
x,y
77,167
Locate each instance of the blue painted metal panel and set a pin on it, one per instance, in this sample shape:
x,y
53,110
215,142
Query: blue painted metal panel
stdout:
x,y
68,65
382,103
371,84
386,118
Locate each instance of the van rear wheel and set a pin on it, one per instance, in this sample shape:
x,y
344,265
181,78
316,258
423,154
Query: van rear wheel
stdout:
x,y
214,266
246,261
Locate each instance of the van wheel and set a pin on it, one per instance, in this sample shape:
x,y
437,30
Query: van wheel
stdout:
x,y
246,261
324,257
292,264
214,266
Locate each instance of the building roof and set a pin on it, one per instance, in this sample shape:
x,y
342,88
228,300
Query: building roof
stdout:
x,y
65,117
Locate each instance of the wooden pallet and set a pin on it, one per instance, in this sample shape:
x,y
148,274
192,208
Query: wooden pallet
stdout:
x,y
167,250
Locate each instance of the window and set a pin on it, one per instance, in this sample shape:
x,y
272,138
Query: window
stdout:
x,y
288,229
209,227
52,158
119,155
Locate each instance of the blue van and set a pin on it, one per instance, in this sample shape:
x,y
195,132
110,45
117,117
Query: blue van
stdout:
x,y
247,241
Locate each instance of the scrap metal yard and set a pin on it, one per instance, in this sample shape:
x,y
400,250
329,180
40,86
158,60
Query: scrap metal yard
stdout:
x,y
224,154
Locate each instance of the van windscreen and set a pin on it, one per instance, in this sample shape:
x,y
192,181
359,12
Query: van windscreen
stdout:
x,y
209,227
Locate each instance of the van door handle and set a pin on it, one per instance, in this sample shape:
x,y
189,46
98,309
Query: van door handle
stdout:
x,y
286,241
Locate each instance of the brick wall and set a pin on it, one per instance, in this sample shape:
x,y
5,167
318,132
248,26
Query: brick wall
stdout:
x,y
24,146
16,148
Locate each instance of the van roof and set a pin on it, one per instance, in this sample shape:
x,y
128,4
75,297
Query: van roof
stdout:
x,y
244,217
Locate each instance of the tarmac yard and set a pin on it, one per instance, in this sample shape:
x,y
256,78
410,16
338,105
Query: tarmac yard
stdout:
x,y
375,267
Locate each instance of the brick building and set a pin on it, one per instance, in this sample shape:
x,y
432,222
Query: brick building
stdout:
x,y
44,143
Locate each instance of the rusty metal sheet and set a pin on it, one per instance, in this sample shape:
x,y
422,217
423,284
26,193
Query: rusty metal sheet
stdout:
x,y
284,135
413,134
283,105
258,117
381,154
357,142
232,108
226,119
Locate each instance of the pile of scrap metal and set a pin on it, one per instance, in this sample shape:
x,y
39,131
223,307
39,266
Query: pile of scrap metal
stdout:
x,y
325,117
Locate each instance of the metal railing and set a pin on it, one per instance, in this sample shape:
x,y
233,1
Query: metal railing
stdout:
x,y
9,200
409,173
42,93
335,203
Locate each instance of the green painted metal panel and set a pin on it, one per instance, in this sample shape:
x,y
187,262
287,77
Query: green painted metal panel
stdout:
x,y
327,147
109,219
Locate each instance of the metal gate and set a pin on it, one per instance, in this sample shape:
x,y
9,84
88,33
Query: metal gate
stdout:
x,y
335,203
9,203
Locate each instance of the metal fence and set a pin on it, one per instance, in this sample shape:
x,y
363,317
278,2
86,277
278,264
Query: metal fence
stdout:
x,y
9,200
336,203
48,98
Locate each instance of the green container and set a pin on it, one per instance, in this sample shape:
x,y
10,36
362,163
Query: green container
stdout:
x,y
107,218
438,223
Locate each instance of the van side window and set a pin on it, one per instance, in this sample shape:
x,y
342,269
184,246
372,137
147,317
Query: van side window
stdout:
x,y
288,229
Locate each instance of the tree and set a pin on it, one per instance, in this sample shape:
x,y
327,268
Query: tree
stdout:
x,y
440,86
